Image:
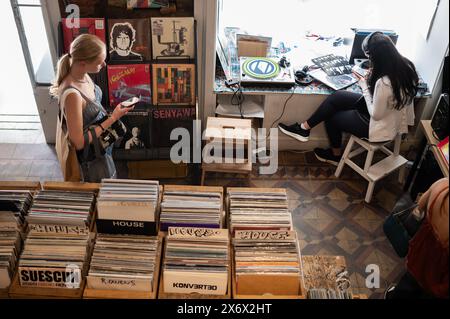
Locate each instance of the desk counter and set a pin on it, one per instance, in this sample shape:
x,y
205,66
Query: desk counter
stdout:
x,y
303,102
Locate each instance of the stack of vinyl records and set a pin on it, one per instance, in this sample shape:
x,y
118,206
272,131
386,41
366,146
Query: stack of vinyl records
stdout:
x,y
54,260
10,244
196,260
124,262
264,209
267,262
62,208
17,201
191,208
128,207
322,293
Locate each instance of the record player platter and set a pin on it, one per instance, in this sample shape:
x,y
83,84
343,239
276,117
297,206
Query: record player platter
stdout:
x,y
265,71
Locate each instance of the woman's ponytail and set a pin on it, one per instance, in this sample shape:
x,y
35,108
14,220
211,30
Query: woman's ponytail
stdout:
x,y
62,70
86,47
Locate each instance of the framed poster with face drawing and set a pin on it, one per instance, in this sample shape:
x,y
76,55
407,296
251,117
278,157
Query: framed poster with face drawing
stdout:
x,y
173,84
129,40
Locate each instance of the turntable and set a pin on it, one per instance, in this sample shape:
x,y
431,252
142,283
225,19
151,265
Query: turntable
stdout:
x,y
265,71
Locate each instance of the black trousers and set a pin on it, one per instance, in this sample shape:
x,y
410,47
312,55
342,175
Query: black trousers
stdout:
x,y
342,111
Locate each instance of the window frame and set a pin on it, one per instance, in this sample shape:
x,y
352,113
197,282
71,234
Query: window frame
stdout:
x,y
15,6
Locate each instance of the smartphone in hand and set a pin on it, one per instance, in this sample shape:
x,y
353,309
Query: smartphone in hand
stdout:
x,y
130,102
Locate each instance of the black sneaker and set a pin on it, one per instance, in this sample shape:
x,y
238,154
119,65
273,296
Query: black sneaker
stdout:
x,y
295,131
327,156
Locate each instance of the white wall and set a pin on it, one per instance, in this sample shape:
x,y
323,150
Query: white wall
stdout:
x,y
430,57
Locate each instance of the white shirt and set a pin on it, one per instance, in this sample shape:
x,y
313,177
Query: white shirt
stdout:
x,y
385,120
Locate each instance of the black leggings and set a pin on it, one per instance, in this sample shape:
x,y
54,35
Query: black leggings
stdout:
x,y
342,111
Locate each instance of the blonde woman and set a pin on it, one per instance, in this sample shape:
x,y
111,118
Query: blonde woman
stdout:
x,y
80,100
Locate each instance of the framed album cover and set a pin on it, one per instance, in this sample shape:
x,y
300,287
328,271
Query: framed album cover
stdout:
x,y
173,38
138,131
129,39
72,28
173,84
127,81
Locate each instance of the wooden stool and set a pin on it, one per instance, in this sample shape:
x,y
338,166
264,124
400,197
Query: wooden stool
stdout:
x,y
229,131
373,173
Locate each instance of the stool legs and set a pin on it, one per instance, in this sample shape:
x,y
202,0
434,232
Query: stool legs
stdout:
x,y
369,192
347,151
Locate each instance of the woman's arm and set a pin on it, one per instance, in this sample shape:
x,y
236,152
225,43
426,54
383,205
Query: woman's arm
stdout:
x,y
73,108
74,114
378,104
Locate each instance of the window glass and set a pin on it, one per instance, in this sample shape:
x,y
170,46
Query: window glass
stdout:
x,y
289,21
37,41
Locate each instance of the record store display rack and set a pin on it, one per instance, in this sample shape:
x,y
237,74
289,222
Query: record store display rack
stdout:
x,y
153,58
137,239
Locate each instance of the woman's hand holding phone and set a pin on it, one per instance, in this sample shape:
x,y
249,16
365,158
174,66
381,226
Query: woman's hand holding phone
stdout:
x,y
120,111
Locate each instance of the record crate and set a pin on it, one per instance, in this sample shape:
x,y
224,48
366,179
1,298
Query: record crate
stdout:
x,y
74,186
90,293
17,185
195,188
269,280
194,295
251,190
16,291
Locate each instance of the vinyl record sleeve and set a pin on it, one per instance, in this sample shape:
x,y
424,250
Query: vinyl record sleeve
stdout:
x,y
129,40
73,28
173,38
127,81
174,84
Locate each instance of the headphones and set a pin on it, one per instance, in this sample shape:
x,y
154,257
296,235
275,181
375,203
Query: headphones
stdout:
x,y
366,41
302,77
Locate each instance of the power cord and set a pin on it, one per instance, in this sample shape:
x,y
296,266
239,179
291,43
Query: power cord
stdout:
x,y
238,97
282,113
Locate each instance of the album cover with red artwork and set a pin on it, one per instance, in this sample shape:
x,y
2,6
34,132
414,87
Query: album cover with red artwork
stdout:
x,y
72,28
128,80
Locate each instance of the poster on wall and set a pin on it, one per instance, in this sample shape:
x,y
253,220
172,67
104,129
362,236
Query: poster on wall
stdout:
x,y
173,38
129,40
127,81
173,84
73,28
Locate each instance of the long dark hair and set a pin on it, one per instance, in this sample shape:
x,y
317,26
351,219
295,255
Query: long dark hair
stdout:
x,y
387,61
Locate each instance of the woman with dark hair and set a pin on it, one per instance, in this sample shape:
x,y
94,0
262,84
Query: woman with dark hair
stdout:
x,y
384,108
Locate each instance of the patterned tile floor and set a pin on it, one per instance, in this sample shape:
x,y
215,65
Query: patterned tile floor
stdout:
x,y
329,214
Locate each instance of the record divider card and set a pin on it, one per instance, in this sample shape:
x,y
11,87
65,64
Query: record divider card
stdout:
x,y
164,295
